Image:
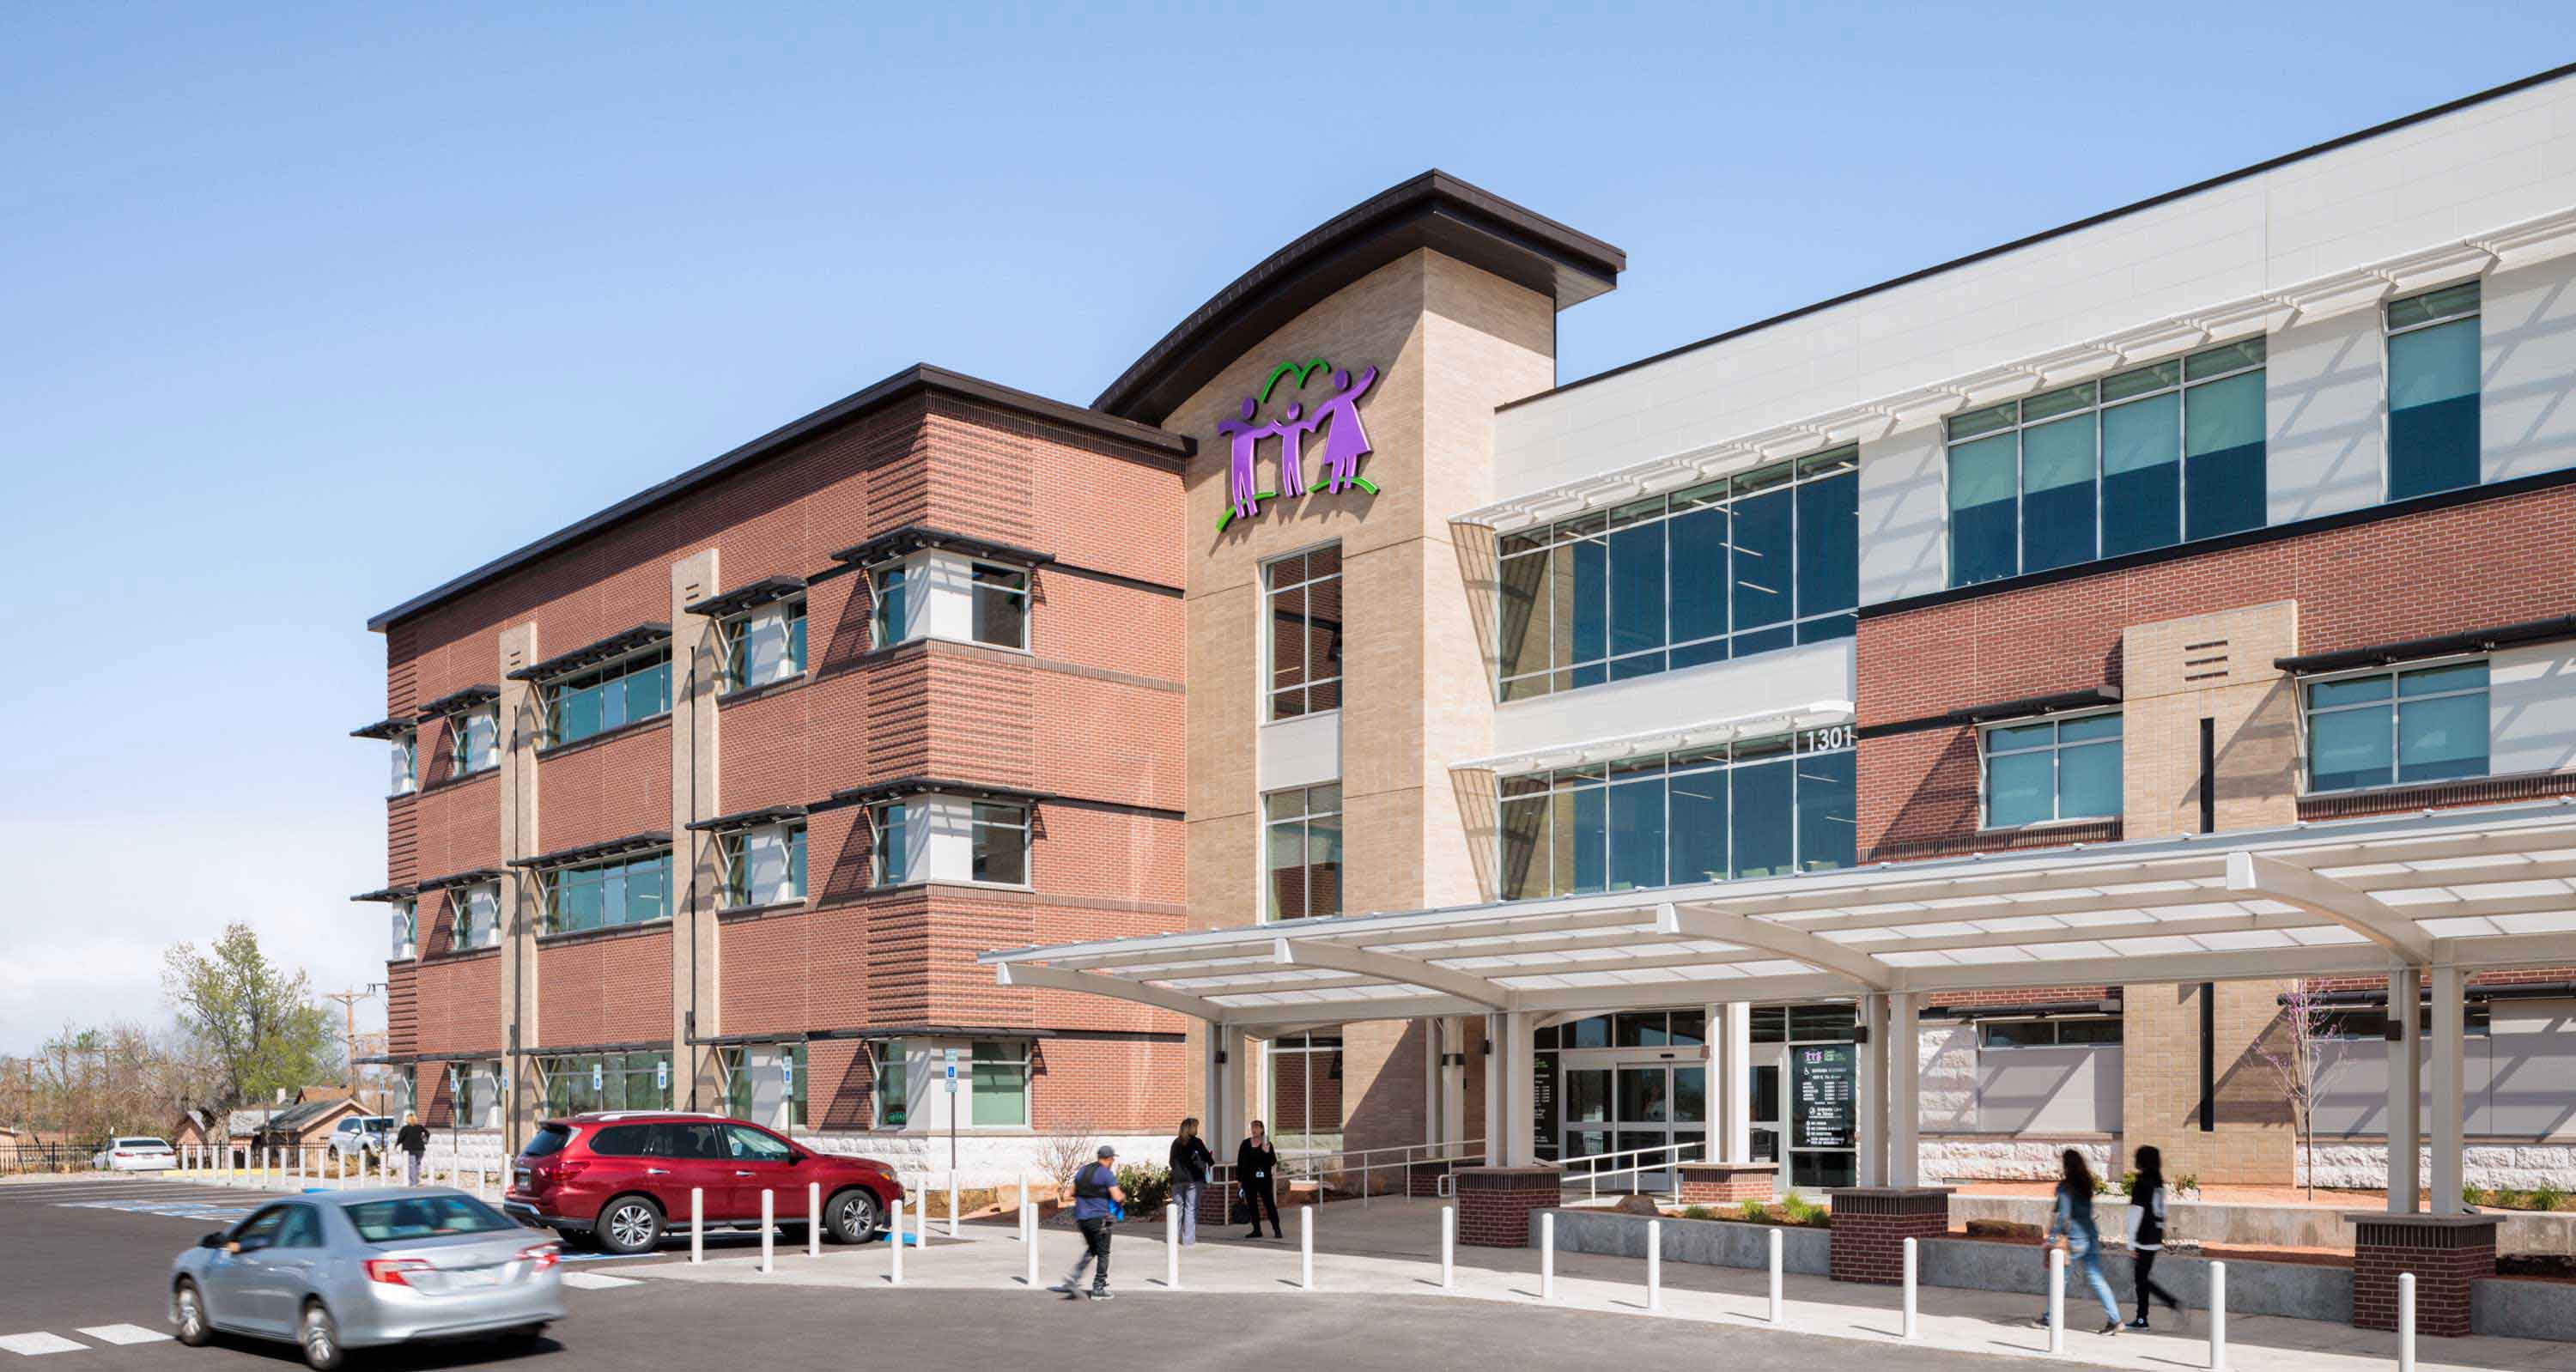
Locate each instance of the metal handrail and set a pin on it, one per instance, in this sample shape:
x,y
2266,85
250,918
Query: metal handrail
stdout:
x,y
1306,1166
1592,1175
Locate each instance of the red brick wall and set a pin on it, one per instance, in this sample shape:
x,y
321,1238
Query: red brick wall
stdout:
x,y
596,791
2483,563
459,1004
604,988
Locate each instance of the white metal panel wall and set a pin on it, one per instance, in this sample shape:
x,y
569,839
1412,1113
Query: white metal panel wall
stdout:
x,y
2325,416
2072,1090
1305,751
1779,680
2527,329
2531,1071
1904,516
2531,709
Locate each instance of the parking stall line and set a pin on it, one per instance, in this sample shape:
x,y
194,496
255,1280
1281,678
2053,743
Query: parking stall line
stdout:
x,y
122,1334
38,1344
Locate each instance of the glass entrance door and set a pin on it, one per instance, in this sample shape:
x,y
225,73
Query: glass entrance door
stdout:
x,y
1623,1107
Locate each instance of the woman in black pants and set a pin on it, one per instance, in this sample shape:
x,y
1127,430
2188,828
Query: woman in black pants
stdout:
x,y
1256,1165
2147,1231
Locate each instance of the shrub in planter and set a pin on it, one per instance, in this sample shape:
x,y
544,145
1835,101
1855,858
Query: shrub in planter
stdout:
x,y
1698,1212
1755,1212
1148,1189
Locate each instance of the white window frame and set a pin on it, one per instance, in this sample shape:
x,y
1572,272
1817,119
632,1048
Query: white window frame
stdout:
x,y
1026,828
460,726
2055,745
406,762
732,632
1304,820
2391,670
732,855
977,588
2388,377
880,633
1266,698
1027,1065
405,930
889,822
463,936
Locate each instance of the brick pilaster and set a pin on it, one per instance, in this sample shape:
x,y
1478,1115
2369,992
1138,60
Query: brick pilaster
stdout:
x,y
1872,1223
2445,1252
1728,1183
1495,1203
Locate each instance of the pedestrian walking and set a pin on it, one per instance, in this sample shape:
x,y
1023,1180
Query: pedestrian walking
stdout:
x,y
1256,1168
2147,1232
413,1140
2073,1220
1096,1202
1191,1163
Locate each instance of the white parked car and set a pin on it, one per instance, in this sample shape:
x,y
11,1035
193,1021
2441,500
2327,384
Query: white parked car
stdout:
x,y
135,1153
359,1136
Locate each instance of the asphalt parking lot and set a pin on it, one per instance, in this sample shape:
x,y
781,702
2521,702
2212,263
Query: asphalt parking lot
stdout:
x,y
81,1288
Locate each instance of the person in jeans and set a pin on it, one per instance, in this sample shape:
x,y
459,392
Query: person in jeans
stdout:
x,y
1191,1163
413,1140
2147,1233
1096,1198
1256,1168
2074,1220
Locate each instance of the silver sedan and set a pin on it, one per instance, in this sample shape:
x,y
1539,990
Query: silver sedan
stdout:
x,y
353,1269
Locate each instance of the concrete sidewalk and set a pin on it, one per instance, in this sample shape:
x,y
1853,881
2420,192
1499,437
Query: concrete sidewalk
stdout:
x,y
1393,1248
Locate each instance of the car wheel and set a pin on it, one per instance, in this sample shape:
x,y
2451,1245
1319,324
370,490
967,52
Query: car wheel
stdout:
x,y
522,1336
194,1331
851,1217
319,1336
630,1224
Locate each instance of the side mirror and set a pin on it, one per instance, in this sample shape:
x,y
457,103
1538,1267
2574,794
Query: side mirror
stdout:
x,y
211,1240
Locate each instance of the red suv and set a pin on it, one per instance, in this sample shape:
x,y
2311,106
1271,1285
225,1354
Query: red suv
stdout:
x,y
623,1178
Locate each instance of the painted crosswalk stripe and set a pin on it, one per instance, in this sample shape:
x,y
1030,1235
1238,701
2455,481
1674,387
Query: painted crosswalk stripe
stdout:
x,y
124,1333
29,1345
591,1281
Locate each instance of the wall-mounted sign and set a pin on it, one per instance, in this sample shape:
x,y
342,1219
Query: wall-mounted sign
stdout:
x,y
1822,1077
1331,407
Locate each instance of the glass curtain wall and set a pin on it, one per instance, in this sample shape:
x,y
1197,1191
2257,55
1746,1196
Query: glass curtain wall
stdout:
x,y
1739,566
1305,1096
1759,808
606,1081
2433,391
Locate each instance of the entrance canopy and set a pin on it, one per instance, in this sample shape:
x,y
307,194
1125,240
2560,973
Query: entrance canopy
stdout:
x,y
2486,887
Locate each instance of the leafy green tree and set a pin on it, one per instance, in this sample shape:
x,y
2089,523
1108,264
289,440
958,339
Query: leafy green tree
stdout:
x,y
261,1024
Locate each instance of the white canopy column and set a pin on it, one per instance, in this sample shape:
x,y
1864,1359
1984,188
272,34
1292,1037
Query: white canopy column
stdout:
x,y
1905,1089
2449,1023
1870,1088
1733,1037
2405,1089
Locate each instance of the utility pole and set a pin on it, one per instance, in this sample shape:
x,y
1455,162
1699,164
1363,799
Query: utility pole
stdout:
x,y
349,1012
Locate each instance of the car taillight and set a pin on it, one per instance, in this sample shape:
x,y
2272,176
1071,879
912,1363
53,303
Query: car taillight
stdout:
x,y
544,1255
567,1169
390,1270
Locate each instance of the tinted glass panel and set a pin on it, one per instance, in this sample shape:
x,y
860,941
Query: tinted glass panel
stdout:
x,y
1984,528
1637,588
2441,739
2349,748
1829,544
2141,475
2433,409
1699,575
1763,576
2057,493
1698,826
2223,466
1765,798
1637,834
1827,828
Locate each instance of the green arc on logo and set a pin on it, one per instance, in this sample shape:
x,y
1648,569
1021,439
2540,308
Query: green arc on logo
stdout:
x,y
1303,370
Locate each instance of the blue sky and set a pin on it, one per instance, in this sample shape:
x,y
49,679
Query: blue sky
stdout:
x,y
312,308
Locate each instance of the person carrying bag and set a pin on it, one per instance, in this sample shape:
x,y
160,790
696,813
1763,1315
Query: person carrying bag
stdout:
x,y
1191,1162
1097,1204
1256,1167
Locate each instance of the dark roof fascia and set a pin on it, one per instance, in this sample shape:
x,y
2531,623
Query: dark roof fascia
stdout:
x,y
581,1049
2037,1009
784,1036
2091,221
1434,210
920,379
388,895
456,701
616,645
746,819
385,730
894,543
452,879
765,591
2091,697
2440,645
565,857
916,786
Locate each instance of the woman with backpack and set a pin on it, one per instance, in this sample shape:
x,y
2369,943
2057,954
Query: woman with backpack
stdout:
x,y
2147,1232
2074,1220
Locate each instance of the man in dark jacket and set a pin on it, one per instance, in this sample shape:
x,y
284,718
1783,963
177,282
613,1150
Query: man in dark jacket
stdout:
x,y
1191,1163
1096,1198
413,1140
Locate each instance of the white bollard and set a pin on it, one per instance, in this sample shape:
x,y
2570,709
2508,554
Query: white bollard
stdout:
x,y
2056,1300
1171,1246
2218,1317
1028,1231
1654,1265
697,1224
768,1229
1547,1255
952,1203
1777,1248
1029,1236
2405,1322
1305,1248
1909,1289
813,1219
897,1271
1448,1248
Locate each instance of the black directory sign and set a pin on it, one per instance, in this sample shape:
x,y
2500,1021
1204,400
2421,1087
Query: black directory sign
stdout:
x,y
1822,1076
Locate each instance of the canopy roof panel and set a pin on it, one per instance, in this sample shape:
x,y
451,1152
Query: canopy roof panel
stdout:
x,y
2484,887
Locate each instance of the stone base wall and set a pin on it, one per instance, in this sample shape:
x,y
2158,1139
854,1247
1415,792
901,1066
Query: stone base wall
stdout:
x,y
2495,1167
1952,1160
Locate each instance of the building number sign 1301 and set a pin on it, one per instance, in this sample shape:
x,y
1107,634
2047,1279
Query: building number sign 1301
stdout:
x,y
1334,412
1826,739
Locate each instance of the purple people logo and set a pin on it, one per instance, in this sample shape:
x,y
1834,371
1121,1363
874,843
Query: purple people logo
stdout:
x,y
1346,439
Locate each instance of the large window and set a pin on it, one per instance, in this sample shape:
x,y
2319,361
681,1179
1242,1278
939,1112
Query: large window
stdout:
x,y
763,865
474,741
475,915
766,1085
577,1083
2052,769
891,851
764,645
998,1082
2142,459
891,621
1001,844
406,930
2090,1031
406,764
594,702
1001,606
478,1093
2433,391
1301,863
894,1075
604,895
2387,728
1304,597
1760,808
1739,566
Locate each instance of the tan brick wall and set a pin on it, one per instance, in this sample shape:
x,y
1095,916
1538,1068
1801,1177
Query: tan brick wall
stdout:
x,y
2215,666
2253,1141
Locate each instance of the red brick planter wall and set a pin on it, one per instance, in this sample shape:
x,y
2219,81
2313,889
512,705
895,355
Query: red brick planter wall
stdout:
x,y
1725,1183
2445,1252
1495,1203
1422,1180
1871,1225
